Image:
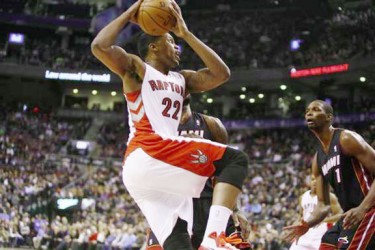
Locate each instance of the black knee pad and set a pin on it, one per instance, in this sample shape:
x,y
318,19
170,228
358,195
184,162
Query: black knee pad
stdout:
x,y
179,238
232,167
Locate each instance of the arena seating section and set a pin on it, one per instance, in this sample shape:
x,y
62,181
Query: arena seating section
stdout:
x,y
36,167
245,39
280,161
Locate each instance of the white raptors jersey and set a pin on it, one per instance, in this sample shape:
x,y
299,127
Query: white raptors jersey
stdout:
x,y
161,170
308,204
156,108
314,235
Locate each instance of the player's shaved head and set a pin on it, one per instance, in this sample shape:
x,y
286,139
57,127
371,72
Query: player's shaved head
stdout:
x,y
318,113
325,105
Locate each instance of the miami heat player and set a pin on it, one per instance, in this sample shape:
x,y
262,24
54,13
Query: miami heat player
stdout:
x,y
346,162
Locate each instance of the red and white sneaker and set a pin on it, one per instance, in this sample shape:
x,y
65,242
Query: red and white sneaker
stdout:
x,y
216,242
235,239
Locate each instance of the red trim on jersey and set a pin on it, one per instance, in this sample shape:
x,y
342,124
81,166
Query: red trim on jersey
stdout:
x,y
154,247
194,155
132,96
364,232
369,178
326,246
137,110
132,99
143,124
360,174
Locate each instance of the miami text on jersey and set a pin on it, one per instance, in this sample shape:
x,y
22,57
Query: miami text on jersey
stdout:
x,y
332,162
199,133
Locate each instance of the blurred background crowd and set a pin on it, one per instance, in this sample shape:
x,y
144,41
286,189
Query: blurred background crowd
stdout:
x,y
62,140
244,39
105,216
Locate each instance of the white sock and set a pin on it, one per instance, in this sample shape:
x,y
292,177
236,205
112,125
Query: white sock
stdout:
x,y
217,221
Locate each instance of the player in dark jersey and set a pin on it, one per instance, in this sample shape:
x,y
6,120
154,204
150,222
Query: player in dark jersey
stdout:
x,y
199,125
346,162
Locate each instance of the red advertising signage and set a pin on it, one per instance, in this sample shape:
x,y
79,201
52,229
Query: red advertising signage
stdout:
x,y
324,70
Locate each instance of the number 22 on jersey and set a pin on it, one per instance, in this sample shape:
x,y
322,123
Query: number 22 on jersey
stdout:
x,y
171,108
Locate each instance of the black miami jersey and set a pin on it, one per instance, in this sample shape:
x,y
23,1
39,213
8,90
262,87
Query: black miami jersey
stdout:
x,y
346,175
196,124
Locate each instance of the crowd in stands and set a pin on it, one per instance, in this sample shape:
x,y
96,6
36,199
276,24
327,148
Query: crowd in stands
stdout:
x,y
24,136
280,156
245,39
280,168
262,39
48,52
32,181
67,8
112,139
287,108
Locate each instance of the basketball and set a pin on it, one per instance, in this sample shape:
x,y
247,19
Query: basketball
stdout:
x,y
155,18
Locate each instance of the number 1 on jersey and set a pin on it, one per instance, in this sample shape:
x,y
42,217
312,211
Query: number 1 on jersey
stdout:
x,y
338,176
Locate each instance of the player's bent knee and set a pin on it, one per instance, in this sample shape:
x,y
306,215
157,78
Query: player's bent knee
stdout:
x,y
232,168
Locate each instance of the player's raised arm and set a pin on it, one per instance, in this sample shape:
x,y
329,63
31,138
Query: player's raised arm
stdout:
x,y
216,73
114,57
354,145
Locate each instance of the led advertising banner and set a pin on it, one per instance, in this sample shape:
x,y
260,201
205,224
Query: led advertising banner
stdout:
x,y
317,71
80,76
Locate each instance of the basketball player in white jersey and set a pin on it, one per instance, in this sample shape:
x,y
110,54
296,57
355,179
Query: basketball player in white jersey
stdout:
x,y
162,171
308,201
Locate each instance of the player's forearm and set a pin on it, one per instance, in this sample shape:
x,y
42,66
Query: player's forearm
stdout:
x,y
369,201
209,57
108,35
318,215
333,218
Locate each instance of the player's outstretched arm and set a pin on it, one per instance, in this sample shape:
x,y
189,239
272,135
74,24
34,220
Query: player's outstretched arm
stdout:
x,y
354,145
288,233
320,212
114,57
216,73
